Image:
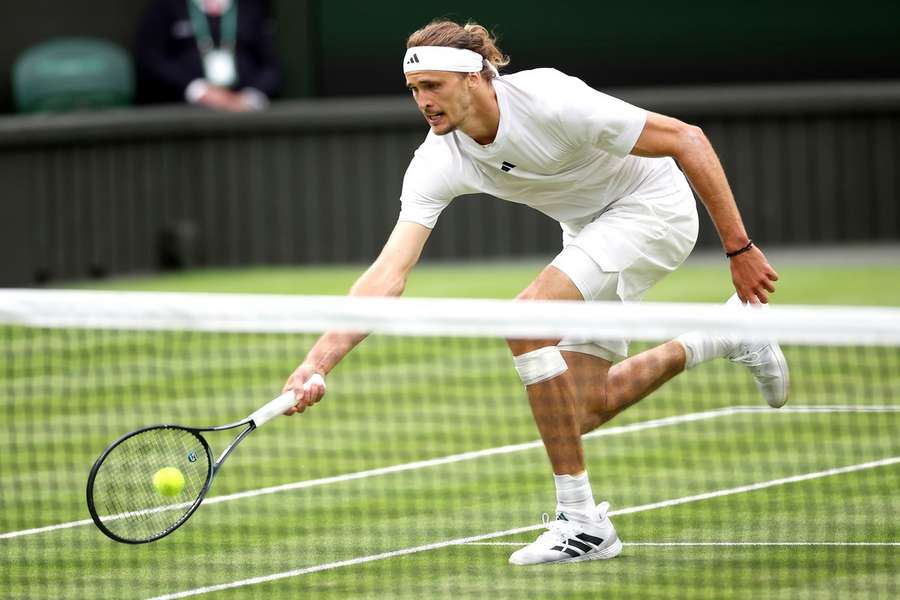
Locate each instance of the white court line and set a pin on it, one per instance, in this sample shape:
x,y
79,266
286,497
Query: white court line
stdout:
x,y
716,544
754,544
454,458
496,534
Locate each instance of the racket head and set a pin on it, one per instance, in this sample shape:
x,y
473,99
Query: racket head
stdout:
x,y
124,502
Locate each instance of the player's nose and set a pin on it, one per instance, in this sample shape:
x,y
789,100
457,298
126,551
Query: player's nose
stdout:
x,y
423,101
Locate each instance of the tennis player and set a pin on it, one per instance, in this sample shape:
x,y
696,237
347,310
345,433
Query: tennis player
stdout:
x,y
604,170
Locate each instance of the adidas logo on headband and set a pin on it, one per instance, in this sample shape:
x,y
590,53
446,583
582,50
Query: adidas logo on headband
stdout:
x,y
442,58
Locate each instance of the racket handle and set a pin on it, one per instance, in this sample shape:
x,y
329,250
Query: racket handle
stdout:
x,y
282,403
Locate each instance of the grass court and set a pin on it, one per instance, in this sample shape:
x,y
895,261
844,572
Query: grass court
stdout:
x,y
421,472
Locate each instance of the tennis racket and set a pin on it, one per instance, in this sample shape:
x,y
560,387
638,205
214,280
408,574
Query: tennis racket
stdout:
x,y
130,507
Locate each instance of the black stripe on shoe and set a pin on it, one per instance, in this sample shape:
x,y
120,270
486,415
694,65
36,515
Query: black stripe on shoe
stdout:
x,y
580,545
567,550
591,539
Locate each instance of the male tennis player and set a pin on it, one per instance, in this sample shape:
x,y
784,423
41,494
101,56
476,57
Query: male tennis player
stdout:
x,y
604,169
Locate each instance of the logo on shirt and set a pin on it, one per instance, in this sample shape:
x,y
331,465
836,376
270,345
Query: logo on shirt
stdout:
x,y
412,59
506,167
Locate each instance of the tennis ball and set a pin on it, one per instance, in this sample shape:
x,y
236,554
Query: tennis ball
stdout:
x,y
168,481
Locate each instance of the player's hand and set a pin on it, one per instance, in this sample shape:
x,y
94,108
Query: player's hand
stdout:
x,y
306,395
754,278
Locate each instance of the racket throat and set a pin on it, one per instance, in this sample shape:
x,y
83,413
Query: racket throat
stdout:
x,y
230,447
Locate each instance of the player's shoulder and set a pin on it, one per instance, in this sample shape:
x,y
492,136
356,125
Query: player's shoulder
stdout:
x,y
545,81
551,88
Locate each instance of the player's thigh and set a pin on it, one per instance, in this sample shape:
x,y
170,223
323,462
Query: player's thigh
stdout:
x,y
551,284
594,284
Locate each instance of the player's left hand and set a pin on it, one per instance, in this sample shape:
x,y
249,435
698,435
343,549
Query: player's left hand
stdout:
x,y
754,278
306,395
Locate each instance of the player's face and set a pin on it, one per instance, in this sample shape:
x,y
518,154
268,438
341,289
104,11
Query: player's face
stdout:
x,y
444,98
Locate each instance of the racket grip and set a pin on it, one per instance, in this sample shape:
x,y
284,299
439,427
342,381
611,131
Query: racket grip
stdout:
x,y
282,403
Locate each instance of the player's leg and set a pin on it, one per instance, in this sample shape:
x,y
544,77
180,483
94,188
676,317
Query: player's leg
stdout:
x,y
581,531
550,387
604,390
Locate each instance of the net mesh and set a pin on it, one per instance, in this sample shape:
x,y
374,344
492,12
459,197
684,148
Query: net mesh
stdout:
x,y
422,469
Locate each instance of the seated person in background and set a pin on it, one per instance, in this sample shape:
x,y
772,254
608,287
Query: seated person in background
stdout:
x,y
215,53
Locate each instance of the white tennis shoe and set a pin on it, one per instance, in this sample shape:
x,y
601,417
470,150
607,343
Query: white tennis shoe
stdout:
x,y
767,364
571,541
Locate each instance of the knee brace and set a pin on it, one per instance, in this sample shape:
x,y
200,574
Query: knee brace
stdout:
x,y
540,365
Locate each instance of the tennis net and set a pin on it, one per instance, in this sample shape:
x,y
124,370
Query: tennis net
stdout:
x,y
422,469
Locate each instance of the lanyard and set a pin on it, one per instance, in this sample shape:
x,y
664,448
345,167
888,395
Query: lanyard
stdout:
x,y
201,27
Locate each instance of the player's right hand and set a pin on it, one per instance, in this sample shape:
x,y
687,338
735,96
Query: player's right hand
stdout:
x,y
306,393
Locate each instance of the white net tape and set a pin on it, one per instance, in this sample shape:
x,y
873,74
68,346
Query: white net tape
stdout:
x,y
809,325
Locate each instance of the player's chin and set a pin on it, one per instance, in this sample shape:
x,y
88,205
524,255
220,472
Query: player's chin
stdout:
x,y
443,127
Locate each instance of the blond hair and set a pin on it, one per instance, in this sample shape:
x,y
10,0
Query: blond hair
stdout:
x,y
471,36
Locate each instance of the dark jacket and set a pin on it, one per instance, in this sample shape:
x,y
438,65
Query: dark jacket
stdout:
x,y
168,58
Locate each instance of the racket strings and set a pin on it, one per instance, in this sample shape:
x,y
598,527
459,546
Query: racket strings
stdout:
x,y
127,501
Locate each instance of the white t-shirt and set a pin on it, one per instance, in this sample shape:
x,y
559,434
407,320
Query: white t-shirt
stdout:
x,y
561,148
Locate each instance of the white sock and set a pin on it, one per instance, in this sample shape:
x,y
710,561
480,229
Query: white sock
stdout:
x,y
574,496
700,347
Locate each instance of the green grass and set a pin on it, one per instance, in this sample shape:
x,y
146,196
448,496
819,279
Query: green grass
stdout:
x,y
393,401
799,284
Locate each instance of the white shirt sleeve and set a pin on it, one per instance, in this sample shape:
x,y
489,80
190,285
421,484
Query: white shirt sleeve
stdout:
x,y
426,191
592,117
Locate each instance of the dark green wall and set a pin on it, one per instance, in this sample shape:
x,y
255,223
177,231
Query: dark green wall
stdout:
x,y
634,43
354,46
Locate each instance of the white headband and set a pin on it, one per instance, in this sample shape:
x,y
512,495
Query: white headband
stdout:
x,y
443,58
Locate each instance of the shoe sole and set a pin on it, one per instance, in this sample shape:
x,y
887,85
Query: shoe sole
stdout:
x,y
612,551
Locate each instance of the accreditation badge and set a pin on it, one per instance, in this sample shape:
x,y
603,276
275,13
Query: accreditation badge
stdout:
x,y
219,67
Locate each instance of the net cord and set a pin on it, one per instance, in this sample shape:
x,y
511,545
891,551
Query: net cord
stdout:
x,y
260,313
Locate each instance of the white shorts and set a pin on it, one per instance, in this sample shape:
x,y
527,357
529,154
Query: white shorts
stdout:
x,y
624,251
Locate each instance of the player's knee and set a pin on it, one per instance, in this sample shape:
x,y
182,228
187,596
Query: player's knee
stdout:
x,y
539,365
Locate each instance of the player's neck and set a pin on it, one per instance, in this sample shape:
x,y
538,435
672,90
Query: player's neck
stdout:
x,y
484,121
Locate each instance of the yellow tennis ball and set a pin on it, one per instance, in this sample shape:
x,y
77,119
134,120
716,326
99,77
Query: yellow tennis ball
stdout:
x,y
168,481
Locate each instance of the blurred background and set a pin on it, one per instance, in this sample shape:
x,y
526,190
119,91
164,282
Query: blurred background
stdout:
x,y
802,101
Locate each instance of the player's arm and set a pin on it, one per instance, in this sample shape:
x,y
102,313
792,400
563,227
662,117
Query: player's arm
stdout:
x,y
751,273
386,277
